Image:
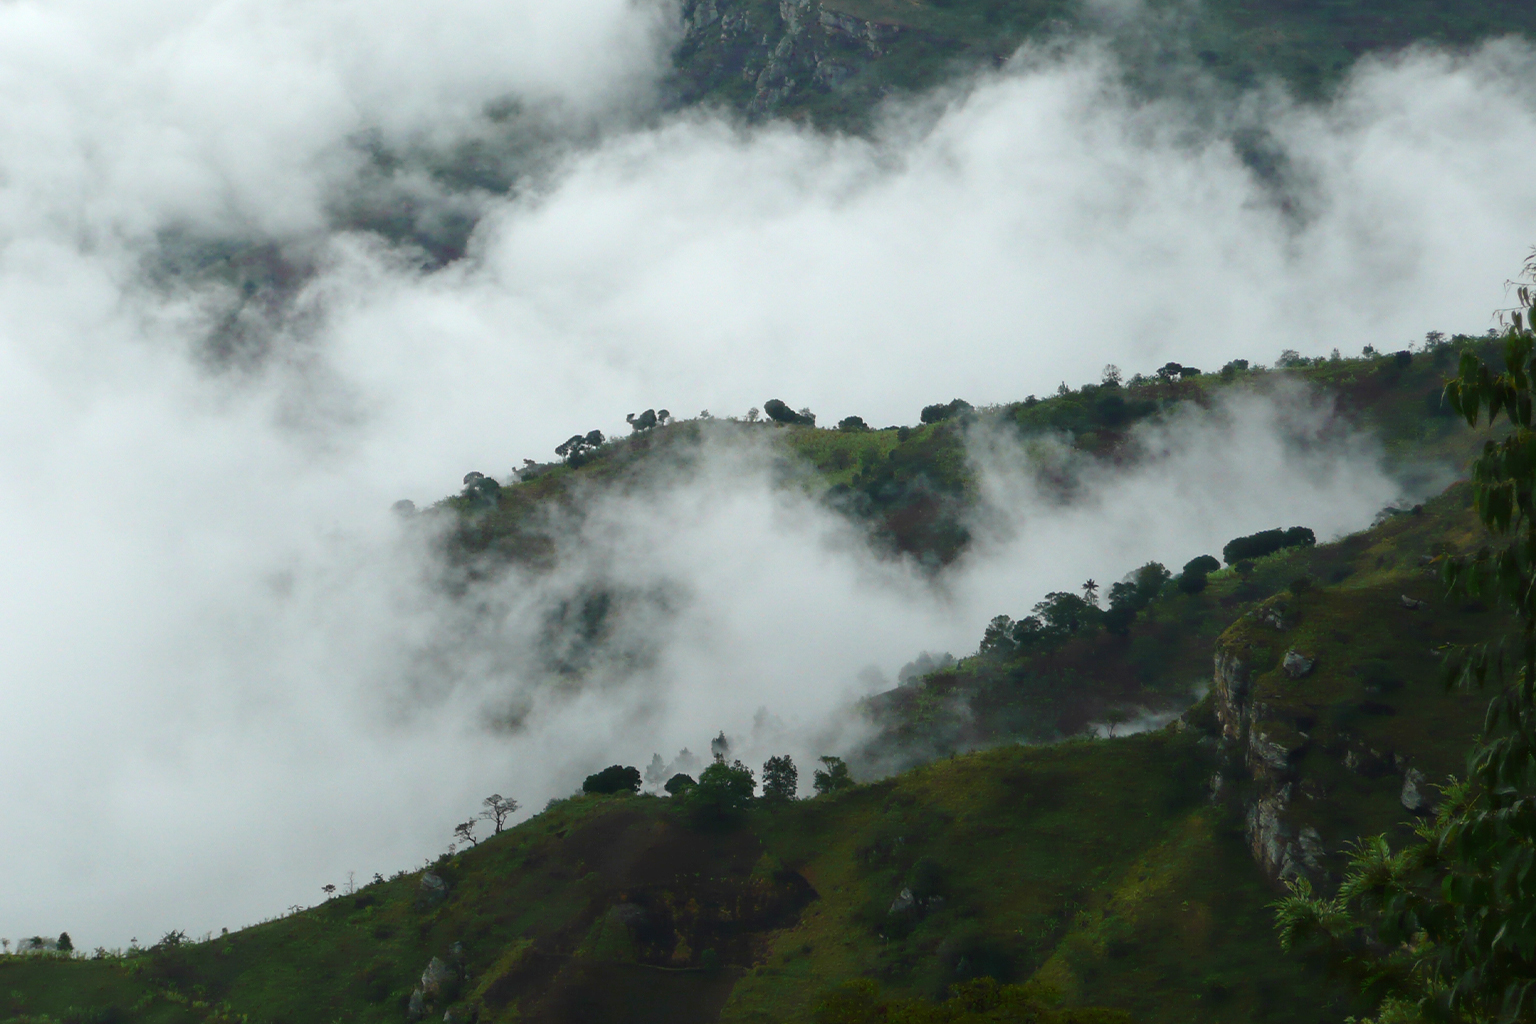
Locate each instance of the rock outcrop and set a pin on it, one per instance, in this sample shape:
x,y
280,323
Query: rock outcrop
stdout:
x,y
786,55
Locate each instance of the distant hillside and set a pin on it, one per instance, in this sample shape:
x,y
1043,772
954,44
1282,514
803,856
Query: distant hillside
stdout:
x,y
1131,873
833,60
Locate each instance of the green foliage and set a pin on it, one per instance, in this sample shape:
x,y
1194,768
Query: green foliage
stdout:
x,y
781,779
616,778
1446,927
832,777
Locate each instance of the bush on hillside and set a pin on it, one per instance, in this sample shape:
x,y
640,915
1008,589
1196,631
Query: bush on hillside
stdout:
x,y
779,412
615,778
852,425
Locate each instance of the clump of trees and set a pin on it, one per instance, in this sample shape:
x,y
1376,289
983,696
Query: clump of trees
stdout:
x,y
1266,542
1176,371
852,425
1063,615
647,420
945,410
780,413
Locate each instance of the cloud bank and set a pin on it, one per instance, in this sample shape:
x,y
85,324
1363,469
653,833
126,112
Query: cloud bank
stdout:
x,y
229,678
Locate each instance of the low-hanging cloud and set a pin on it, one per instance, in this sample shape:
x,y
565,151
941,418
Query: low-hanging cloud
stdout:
x,y
230,677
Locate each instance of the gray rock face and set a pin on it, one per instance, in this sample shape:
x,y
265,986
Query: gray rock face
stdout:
x,y
1231,695
904,903
1280,851
417,1008
1297,664
1413,796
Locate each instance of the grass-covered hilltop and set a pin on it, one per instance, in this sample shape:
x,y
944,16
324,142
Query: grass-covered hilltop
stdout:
x,y
998,849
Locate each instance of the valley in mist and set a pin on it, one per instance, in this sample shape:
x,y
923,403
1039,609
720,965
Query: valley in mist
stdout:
x,y
229,344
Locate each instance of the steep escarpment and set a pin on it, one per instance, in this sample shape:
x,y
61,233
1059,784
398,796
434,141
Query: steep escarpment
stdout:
x,y
1327,701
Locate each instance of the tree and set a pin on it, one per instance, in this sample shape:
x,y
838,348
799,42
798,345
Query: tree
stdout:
x,y
1446,927
464,831
1192,579
1091,592
497,810
645,421
614,779
781,779
1111,377
656,771
852,425
832,778
65,944
720,747
328,889
723,790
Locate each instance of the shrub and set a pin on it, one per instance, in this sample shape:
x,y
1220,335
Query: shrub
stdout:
x,y
852,424
613,779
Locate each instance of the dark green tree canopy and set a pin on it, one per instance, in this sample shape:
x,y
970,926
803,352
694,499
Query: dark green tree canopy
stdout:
x,y
832,777
613,779
945,410
1266,542
776,410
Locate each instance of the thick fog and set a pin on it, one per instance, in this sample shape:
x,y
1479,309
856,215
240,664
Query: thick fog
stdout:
x,y
228,678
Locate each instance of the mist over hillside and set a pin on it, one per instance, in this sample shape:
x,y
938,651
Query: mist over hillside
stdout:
x,y
267,269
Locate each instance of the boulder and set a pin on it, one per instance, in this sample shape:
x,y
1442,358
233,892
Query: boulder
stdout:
x,y
1413,796
904,903
1412,604
437,978
1297,664
417,1007
432,890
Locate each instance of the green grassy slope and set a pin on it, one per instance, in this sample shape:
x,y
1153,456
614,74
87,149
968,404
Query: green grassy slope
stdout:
x,y
1077,862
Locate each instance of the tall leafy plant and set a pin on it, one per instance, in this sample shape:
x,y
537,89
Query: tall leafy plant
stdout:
x,y
1445,929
